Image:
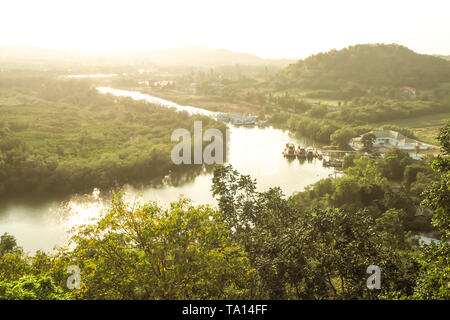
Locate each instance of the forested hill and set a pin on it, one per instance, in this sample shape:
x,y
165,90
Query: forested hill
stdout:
x,y
368,65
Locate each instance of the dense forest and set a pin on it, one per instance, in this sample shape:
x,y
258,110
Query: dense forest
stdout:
x,y
60,135
316,244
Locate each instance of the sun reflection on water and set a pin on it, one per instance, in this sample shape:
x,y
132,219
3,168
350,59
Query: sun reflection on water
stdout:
x,y
80,210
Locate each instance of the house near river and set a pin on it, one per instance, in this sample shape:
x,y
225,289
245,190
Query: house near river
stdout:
x,y
389,139
409,91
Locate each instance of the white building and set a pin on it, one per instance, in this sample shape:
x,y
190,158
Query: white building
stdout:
x,y
410,91
389,139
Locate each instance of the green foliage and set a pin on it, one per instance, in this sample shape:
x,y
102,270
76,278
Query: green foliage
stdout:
x,y
434,259
367,66
341,137
279,118
13,266
146,252
433,281
368,184
76,139
315,129
395,162
312,253
285,102
31,288
437,196
8,244
368,139
319,111
385,109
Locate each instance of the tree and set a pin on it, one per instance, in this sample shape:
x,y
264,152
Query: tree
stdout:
x,y
437,196
319,111
342,136
394,163
368,139
434,278
142,251
32,288
13,266
8,244
309,253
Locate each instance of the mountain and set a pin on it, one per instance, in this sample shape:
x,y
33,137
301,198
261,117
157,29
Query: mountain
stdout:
x,y
194,56
365,65
187,56
201,56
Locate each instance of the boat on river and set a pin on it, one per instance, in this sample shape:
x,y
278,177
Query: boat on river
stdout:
x,y
246,120
310,152
238,122
301,152
319,154
289,151
329,162
249,120
223,117
261,123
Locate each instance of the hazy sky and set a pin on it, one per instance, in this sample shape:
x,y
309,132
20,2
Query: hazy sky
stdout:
x,y
276,28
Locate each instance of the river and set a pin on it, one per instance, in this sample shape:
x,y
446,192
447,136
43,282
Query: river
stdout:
x,y
40,224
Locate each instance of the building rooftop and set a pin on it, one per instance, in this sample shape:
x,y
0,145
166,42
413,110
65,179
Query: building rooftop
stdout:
x,y
383,134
